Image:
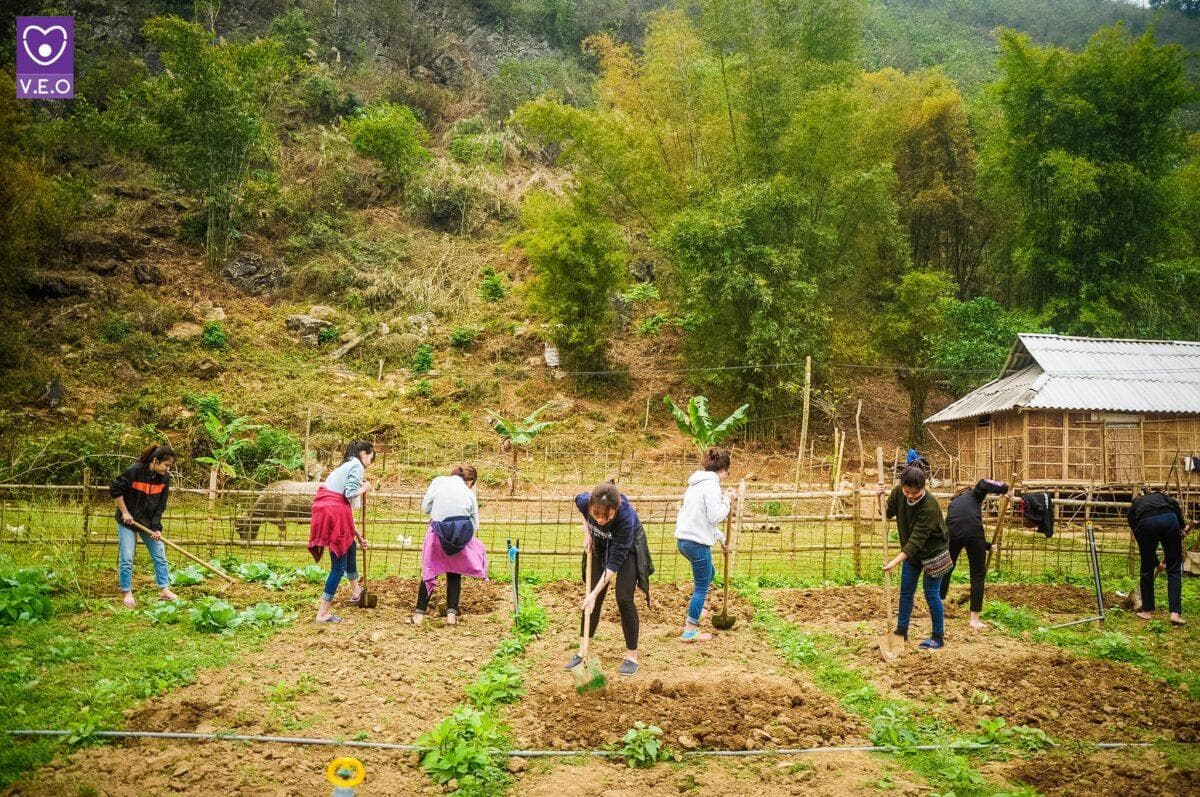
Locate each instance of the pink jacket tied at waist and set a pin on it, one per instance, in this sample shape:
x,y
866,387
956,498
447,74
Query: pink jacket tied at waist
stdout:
x,y
332,524
470,561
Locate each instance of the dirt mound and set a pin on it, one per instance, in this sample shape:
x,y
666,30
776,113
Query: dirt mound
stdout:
x,y
844,604
1050,598
1027,686
668,602
478,597
723,714
1109,772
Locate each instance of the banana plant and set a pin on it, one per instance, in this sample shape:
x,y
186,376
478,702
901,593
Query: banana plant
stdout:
x,y
517,435
225,442
696,425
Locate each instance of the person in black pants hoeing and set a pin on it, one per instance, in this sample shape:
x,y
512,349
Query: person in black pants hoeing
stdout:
x,y
613,534
964,518
1156,519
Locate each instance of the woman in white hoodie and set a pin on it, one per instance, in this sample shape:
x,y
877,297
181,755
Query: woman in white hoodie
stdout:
x,y
697,530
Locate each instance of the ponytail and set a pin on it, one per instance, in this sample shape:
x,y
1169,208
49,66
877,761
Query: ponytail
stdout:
x,y
716,460
155,451
466,473
358,447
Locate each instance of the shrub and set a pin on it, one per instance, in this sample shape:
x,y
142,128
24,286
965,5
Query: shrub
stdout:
x,y
422,359
463,337
214,336
652,325
115,328
61,458
642,292
461,748
492,286
451,201
212,615
273,454
392,135
23,596
328,334
642,745
479,148
165,612
497,685
578,260
422,388
188,576
324,100
519,80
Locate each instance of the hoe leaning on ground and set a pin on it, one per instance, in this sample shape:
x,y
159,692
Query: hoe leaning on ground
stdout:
x,y
186,553
723,621
366,598
588,674
891,645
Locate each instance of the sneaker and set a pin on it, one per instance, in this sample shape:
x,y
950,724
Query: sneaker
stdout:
x,y
575,661
933,643
695,636
628,667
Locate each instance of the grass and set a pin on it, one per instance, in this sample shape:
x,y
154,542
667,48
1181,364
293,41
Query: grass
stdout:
x,y
80,669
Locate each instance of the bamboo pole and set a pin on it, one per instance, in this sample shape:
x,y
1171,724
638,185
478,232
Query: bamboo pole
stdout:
x,y
737,527
87,513
804,418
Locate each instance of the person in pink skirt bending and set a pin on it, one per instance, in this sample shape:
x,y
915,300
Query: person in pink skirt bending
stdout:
x,y
451,546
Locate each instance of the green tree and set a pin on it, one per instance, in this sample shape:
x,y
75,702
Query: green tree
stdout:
x,y
205,119
908,331
392,135
1086,150
578,259
978,337
749,301
1189,8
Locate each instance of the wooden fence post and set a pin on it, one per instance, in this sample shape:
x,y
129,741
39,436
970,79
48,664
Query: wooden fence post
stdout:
x,y
804,419
857,521
87,514
212,501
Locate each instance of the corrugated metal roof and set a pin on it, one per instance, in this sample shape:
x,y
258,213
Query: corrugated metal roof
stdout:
x,y
1092,374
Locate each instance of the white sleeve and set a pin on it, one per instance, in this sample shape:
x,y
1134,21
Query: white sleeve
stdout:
x,y
474,513
716,505
427,501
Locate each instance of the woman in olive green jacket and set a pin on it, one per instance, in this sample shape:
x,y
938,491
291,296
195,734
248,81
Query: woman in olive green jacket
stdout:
x,y
924,543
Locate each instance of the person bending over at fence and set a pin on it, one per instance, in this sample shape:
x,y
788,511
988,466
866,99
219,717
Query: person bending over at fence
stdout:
x,y
1156,519
451,546
697,530
614,537
964,518
333,524
924,547
141,493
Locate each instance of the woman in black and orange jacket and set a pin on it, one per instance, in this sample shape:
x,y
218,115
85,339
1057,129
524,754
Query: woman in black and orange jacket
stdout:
x,y
141,494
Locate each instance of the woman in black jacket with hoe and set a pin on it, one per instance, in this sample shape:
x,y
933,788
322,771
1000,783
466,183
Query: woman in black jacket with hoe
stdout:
x,y
140,493
964,518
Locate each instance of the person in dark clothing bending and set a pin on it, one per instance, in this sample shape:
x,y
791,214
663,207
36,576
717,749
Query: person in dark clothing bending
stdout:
x,y
140,493
964,518
613,535
1156,519
923,539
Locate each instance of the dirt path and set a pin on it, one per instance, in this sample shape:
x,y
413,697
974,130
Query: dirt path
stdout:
x,y
990,674
372,674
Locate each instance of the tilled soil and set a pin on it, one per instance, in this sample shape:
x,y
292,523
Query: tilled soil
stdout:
x,y
1107,773
988,674
818,775
372,674
730,693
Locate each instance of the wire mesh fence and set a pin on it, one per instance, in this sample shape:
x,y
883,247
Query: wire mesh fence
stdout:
x,y
807,535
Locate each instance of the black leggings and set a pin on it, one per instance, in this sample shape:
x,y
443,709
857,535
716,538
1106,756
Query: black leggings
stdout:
x,y
453,590
626,605
976,548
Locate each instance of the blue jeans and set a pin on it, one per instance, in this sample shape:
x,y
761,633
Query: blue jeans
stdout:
x,y
344,565
126,543
909,573
703,573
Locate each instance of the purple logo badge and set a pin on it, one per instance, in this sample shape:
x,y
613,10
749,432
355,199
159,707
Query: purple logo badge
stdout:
x,y
45,58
